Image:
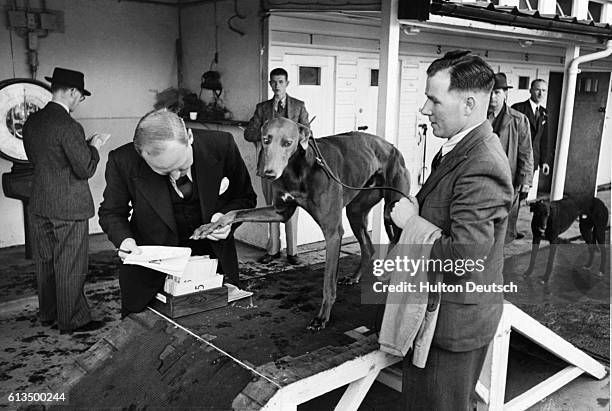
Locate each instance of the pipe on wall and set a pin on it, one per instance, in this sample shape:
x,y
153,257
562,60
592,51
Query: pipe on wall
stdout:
x,y
565,126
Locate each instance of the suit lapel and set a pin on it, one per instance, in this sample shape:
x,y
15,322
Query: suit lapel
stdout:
x,y
452,159
154,188
207,175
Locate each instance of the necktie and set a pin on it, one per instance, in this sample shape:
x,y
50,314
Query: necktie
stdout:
x,y
185,186
537,113
279,108
436,160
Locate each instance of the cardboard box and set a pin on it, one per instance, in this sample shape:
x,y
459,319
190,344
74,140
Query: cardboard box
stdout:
x,y
187,304
200,274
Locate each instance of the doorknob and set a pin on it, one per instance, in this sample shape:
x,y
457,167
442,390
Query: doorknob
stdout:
x,y
602,109
362,128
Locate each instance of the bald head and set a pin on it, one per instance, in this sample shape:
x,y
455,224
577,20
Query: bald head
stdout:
x,y
156,129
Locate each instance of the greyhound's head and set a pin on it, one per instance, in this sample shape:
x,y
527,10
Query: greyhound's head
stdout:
x,y
541,211
280,138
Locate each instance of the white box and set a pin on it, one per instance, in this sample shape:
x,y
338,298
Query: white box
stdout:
x,y
200,274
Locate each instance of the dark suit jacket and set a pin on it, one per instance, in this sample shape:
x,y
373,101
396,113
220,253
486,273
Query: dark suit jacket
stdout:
x,y
469,196
515,138
539,133
296,111
131,186
63,162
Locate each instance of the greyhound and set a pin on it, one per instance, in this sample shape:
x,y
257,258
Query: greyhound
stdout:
x,y
290,157
551,219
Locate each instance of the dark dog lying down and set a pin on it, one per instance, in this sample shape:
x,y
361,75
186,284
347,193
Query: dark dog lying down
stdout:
x,y
357,159
551,219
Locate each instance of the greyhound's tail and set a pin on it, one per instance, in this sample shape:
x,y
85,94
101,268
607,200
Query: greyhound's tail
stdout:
x,y
396,176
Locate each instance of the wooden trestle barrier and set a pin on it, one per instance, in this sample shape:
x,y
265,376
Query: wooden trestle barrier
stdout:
x,y
297,380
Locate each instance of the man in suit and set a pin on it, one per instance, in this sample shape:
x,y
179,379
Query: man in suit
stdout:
x,y
163,186
538,120
61,203
467,196
513,130
281,105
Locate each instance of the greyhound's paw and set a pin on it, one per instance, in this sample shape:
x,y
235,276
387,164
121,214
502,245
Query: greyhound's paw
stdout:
x,y
349,280
317,324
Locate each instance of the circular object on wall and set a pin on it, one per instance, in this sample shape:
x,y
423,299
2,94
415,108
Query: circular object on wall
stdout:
x,y
19,98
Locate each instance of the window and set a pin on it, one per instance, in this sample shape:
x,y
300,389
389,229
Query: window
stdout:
x,y
523,82
310,76
564,7
595,11
588,85
374,77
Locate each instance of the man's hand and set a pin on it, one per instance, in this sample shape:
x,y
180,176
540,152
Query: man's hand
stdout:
x,y
523,192
403,210
98,140
545,169
219,233
127,247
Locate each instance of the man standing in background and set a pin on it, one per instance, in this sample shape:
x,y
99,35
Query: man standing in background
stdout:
x,y
281,105
61,203
538,120
512,128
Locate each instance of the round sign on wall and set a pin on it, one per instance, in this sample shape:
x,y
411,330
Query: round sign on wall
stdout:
x,y
18,99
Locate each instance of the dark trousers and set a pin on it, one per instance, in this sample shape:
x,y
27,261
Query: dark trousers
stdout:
x,y
446,383
512,218
139,285
60,250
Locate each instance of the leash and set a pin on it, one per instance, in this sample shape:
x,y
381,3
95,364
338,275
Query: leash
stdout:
x,y
323,164
197,337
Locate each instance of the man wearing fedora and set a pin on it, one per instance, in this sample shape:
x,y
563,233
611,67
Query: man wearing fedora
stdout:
x,y
514,133
61,203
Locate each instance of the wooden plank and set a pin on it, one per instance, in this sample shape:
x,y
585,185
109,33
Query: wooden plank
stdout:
x,y
391,377
550,341
499,364
543,389
356,392
482,392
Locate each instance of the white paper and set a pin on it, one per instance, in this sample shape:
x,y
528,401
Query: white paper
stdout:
x,y
169,260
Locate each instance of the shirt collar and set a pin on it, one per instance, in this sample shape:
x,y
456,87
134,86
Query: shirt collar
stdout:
x,y
173,182
534,105
63,105
454,140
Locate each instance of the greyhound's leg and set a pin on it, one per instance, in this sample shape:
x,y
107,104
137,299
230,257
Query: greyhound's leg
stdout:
x,y
333,238
551,260
586,230
600,238
535,246
357,214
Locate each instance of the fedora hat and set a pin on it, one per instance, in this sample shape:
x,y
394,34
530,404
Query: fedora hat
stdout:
x,y
70,78
501,81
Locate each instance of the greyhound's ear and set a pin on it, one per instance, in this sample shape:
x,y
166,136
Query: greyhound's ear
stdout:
x,y
305,134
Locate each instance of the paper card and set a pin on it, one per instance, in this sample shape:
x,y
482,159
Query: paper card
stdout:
x,y
168,260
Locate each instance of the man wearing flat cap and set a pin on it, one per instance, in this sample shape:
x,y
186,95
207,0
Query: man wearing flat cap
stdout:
x,y
514,133
61,203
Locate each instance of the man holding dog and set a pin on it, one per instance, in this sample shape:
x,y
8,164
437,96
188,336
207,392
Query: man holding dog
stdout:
x,y
61,203
538,120
512,127
281,105
163,186
467,196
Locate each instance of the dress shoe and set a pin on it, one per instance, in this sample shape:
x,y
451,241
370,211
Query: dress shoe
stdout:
x,y
294,260
519,236
267,258
93,325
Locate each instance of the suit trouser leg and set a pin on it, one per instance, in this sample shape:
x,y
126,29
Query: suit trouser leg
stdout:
x,y
447,382
512,218
43,240
70,257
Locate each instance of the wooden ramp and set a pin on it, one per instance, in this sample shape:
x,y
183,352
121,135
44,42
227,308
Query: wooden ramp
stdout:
x,y
292,381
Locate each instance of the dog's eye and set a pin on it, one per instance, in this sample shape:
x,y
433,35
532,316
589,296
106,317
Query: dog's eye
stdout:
x,y
287,143
266,140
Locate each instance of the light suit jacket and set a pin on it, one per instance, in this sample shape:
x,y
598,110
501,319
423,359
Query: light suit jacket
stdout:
x,y
515,138
296,111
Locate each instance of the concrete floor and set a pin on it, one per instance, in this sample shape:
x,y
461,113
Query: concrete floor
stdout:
x,y
21,364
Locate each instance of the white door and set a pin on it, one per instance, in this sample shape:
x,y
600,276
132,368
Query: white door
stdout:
x,y
367,95
311,79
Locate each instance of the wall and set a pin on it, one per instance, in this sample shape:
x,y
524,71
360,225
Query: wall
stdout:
x,y
126,51
240,69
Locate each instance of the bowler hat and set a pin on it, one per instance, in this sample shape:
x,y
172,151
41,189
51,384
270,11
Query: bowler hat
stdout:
x,y
501,82
70,78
